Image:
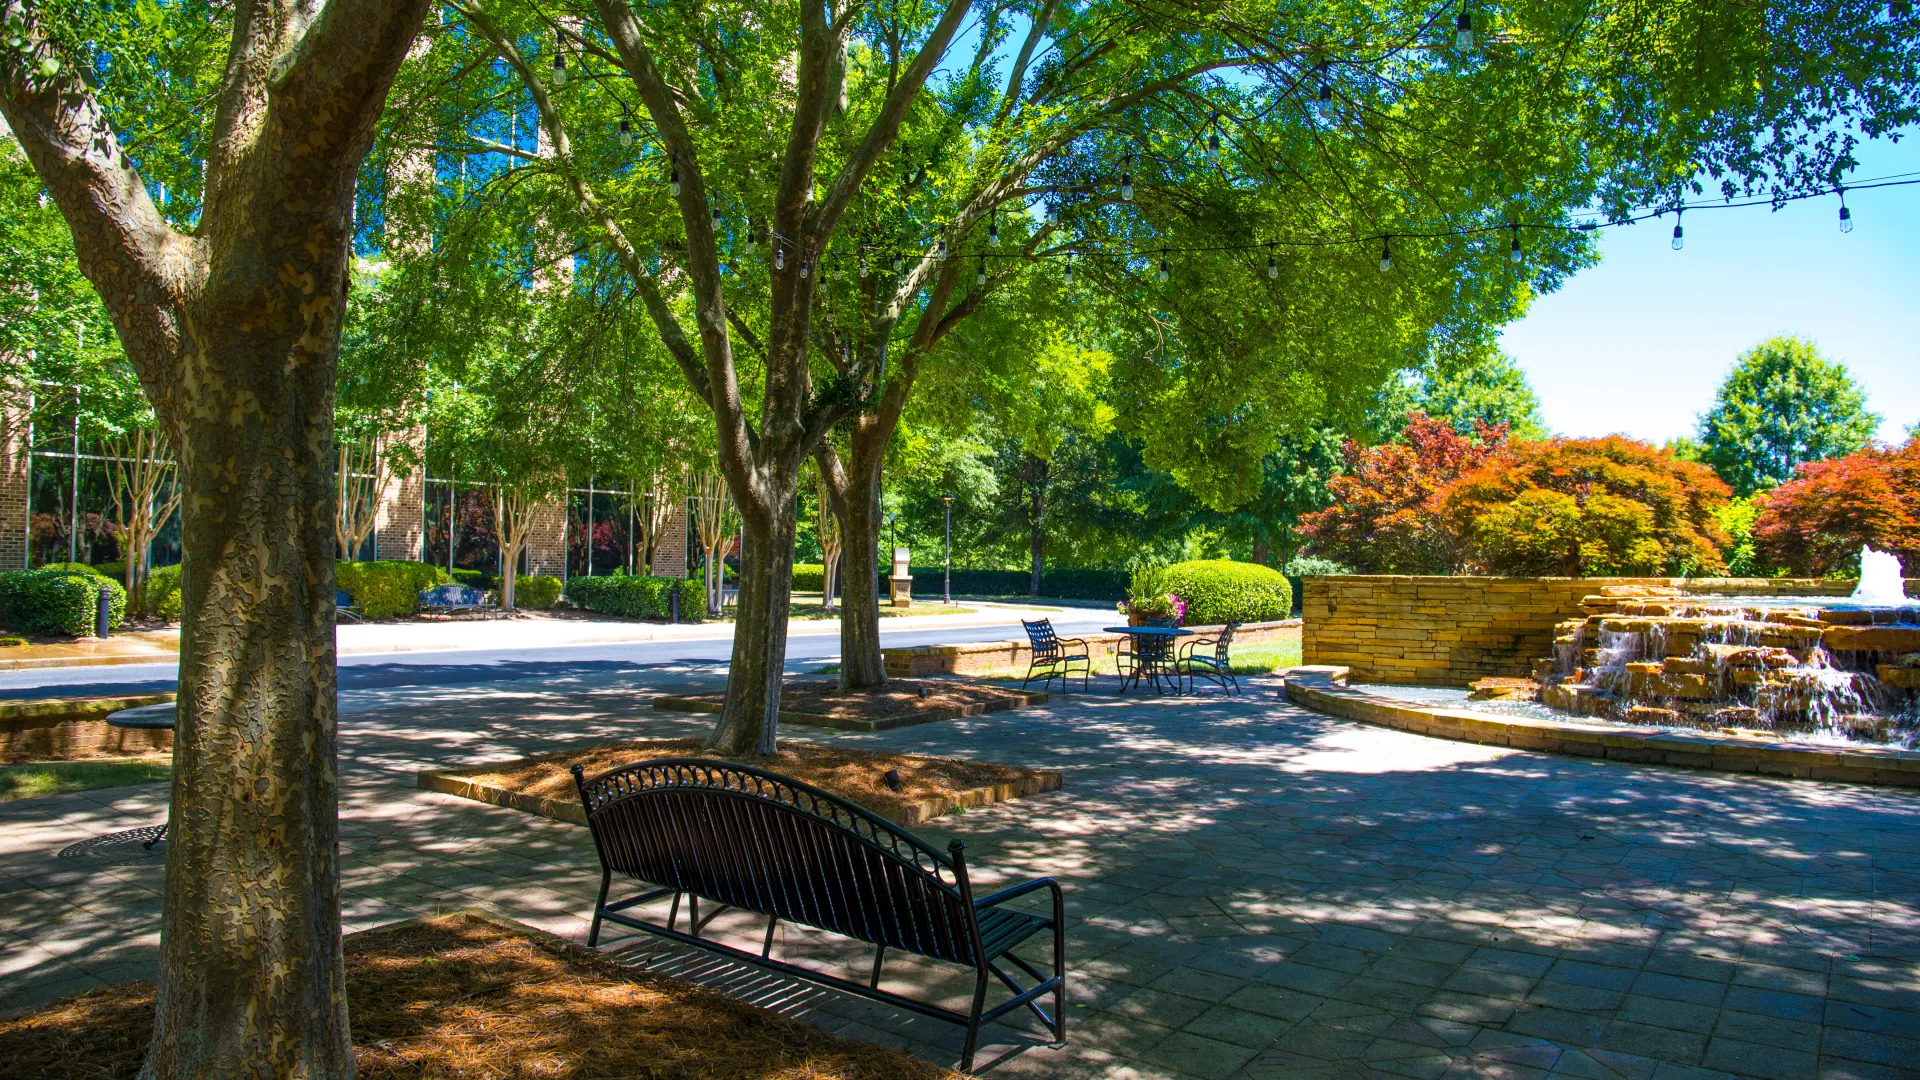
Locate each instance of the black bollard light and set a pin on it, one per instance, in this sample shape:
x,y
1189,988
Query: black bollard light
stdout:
x,y
673,603
103,613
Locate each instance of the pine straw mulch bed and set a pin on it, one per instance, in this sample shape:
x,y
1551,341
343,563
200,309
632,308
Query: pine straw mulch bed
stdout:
x,y
898,703
858,776
465,996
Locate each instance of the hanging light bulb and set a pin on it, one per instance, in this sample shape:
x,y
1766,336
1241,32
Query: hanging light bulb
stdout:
x,y
559,68
899,264
1163,269
1679,234
1273,268
753,231
1213,143
1126,187
803,269
980,275
1513,252
863,262
940,250
1069,269
993,230
1323,105
779,257
1386,255
1846,215
1463,31
673,178
717,220
626,131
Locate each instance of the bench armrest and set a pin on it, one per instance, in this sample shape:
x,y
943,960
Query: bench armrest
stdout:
x,y
1004,895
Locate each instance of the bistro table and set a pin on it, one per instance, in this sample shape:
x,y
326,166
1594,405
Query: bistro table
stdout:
x,y
147,718
1152,655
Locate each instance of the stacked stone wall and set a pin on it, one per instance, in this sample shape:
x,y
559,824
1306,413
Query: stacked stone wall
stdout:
x,y
1450,631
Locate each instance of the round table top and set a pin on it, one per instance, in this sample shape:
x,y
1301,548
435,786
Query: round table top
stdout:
x,y
146,716
1148,631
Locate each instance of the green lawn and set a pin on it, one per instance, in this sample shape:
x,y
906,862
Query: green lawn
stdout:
x,y
59,777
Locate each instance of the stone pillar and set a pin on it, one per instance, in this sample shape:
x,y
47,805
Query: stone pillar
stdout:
x,y
399,516
670,557
14,418
547,541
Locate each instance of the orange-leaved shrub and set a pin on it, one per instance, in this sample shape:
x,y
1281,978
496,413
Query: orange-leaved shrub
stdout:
x,y
1815,523
1588,507
1381,520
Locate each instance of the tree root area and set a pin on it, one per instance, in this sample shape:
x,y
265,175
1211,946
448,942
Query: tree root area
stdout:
x,y
462,995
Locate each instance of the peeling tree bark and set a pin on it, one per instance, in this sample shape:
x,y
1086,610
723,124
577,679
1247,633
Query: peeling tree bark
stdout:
x,y
234,330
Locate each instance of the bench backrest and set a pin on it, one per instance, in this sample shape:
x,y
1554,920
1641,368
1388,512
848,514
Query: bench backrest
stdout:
x,y
451,595
771,844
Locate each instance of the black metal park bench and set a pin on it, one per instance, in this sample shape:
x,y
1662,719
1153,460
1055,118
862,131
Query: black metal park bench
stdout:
x,y
742,838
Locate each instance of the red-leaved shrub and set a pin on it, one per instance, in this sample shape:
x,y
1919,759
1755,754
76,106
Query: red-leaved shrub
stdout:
x,y
1815,523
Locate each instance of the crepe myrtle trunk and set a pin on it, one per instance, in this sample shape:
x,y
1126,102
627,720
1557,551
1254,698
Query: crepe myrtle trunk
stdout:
x,y
749,721
861,664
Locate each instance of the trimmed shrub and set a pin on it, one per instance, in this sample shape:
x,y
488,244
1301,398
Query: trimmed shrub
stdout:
x,y
809,577
1301,567
58,600
474,579
163,592
1221,591
387,589
538,593
632,597
81,568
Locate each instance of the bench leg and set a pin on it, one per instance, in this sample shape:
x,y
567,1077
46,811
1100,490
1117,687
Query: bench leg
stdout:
x,y
593,934
766,948
879,954
973,1021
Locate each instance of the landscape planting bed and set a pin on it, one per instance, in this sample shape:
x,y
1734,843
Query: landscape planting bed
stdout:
x,y
468,994
930,786
900,703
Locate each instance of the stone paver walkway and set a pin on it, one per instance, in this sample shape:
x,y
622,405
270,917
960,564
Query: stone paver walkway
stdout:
x,y
1255,891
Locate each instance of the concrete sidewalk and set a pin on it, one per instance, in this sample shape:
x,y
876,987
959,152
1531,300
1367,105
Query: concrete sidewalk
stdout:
x,y
530,630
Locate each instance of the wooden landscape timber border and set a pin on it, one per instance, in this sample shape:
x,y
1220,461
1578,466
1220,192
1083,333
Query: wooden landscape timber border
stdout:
x,y
450,782
1450,631
1014,699
76,726
1321,690
975,657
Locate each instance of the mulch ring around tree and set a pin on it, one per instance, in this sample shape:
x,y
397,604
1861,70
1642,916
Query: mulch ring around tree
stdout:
x,y
929,786
899,703
465,994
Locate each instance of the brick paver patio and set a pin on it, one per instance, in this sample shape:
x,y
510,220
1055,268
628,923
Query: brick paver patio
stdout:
x,y
1256,891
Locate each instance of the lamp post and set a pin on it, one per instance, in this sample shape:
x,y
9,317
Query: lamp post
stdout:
x,y
946,588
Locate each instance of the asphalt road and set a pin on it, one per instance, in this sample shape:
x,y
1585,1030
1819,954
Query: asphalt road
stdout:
x,y
481,666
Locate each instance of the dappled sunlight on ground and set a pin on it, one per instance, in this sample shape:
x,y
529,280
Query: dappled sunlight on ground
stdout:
x,y
1254,891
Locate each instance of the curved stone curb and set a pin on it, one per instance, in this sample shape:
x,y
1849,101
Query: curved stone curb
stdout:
x,y
1725,753
570,810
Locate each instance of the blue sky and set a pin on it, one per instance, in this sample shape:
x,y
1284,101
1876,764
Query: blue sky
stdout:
x,y
1639,343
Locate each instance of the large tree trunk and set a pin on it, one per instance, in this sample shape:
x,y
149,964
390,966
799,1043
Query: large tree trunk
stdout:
x,y
251,982
234,330
750,719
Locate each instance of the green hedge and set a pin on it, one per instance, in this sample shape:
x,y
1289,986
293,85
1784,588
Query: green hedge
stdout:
x,y
537,593
809,577
388,589
474,579
58,600
1221,591
633,596
163,592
